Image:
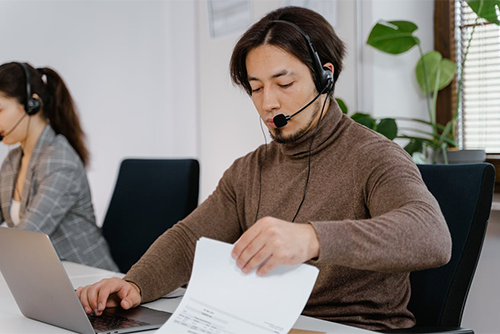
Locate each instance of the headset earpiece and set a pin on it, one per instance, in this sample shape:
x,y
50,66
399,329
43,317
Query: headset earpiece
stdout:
x,y
33,104
327,79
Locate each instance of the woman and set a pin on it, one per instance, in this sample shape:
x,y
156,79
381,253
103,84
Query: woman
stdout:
x,y
43,184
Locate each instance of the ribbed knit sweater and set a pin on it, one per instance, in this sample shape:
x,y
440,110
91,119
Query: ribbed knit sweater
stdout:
x,y
375,219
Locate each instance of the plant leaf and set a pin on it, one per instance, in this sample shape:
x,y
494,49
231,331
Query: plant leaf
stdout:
x,y
415,145
445,133
434,62
487,9
393,37
387,127
342,105
419,158
364,119
439,126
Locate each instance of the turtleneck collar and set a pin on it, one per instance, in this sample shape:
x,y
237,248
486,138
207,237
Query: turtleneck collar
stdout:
x,y
325,135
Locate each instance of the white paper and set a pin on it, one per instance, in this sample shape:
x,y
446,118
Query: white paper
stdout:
x,y
228,16
221,299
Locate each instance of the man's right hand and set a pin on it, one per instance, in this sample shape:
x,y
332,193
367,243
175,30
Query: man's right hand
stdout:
x,y
109,293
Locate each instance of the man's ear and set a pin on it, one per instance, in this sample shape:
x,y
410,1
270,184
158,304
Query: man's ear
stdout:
x,y
330,67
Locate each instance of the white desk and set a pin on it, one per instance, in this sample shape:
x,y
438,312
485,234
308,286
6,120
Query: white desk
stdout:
x,y
12,321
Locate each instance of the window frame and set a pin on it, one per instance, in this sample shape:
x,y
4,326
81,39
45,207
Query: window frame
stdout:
x,y
444,42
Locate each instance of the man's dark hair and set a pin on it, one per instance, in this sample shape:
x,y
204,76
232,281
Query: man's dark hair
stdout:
x,y
328,45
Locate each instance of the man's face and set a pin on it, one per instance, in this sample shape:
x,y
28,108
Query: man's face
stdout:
x,y
282,84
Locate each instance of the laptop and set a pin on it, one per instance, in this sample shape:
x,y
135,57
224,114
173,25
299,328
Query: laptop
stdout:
x,y
43,291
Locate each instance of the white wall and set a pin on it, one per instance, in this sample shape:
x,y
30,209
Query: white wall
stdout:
x,y
229,126
134,89
389,84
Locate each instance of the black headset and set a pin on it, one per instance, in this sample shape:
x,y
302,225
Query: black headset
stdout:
x,y
33,104
324,77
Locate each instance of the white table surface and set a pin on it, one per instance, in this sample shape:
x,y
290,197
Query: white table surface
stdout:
x,y
12,321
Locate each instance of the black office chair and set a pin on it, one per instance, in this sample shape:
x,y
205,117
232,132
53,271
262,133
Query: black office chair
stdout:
x,y
438,296
150,196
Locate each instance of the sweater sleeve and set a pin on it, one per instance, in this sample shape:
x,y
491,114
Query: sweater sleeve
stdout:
x,y
168,262
405,230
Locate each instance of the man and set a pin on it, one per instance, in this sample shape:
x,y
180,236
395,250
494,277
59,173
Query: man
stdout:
x,y
325,190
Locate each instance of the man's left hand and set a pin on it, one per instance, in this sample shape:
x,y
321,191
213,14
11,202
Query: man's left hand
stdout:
x,y
273,242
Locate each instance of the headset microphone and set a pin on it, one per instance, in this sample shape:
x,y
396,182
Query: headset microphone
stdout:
x,y
13,128
282,120
323,76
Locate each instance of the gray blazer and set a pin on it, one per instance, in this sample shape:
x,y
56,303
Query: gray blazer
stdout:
x,y
56,200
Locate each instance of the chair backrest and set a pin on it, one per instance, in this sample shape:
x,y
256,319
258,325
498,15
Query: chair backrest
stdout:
x,y
150,196
464,193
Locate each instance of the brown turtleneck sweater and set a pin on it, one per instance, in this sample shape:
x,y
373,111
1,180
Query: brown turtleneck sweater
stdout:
x,y
375,219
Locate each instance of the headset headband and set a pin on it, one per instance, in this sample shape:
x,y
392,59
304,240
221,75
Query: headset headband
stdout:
x,y
32,105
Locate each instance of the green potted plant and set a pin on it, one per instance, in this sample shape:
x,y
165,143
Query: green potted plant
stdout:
x,y
384,126
433,73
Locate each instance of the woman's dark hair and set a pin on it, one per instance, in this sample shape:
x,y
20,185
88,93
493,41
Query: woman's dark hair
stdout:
x,y
328,45
57,104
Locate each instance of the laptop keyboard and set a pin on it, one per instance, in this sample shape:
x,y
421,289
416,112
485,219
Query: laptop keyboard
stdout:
x,y
105,322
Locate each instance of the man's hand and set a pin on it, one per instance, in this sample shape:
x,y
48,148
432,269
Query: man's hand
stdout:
x,y
109,293
278,242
